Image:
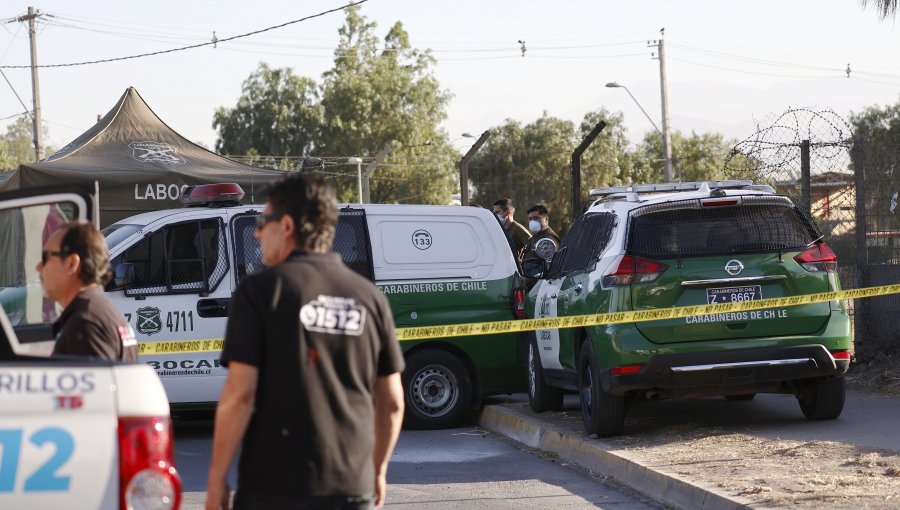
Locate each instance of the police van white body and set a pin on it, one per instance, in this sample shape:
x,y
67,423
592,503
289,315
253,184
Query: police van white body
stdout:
x,y
177,269
74,432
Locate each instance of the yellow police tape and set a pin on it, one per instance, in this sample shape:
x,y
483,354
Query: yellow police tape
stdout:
x,y
573,321
180,346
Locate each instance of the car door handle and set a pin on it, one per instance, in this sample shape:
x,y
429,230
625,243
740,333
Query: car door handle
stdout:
x,y
213,307
578,288
553,296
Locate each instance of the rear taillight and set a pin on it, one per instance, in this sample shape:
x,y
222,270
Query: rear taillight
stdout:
x,y
147,476
632,269
519,303
626,369
841,355
817,258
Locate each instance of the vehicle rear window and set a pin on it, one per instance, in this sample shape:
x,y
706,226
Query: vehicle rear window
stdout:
x,y
688,229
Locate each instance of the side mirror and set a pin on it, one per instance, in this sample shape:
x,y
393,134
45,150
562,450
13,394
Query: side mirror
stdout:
x,y
123,277
534,268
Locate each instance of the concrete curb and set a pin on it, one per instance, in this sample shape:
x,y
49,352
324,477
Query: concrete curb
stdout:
x,y
599,457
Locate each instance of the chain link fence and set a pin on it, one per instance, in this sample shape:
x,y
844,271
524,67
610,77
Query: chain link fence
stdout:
x,y
847,185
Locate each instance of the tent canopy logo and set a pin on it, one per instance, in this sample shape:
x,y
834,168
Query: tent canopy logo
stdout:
x,y
155,152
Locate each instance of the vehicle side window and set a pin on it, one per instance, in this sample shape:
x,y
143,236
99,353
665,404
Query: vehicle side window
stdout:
x,y
184,257
588,237
351,240
247,251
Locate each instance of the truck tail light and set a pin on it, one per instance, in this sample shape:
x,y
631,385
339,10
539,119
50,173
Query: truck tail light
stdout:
x,y
147,476
519,303
819,257
631,269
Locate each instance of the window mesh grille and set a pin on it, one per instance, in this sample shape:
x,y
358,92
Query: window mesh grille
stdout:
x,y
181,258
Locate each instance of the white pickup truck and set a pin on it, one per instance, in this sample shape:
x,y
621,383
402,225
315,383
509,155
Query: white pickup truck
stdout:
x,y
74,433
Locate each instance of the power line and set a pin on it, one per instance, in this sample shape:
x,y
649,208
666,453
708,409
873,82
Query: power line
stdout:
x,y
209,43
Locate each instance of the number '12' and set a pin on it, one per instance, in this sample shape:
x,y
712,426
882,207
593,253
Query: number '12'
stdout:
x,y
45,478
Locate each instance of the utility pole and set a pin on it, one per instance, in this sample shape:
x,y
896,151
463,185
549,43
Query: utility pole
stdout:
x,y
664,93
367,192
35,85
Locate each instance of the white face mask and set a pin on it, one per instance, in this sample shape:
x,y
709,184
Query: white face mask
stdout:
x,y
534,226
501,218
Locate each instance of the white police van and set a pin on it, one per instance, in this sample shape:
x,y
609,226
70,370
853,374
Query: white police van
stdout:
x,y
74,432
177,269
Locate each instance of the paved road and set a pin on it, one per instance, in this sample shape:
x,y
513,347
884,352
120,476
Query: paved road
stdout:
x,y
458,468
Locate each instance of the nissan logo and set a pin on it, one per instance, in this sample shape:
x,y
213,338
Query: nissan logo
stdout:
x,y
734,267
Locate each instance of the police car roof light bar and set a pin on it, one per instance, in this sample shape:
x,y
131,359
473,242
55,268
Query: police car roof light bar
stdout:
x,y
212,195
671,186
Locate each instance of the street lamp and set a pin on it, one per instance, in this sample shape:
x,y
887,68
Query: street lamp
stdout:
x,y
667,151
358,162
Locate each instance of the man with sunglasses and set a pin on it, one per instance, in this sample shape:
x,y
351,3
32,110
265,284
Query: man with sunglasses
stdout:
x,y
74,267
313,393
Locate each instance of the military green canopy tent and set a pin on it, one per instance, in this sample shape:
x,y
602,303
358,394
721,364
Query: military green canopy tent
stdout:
x,y
140,162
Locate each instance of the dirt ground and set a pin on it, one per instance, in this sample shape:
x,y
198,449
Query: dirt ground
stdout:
x,y
878,374
776,473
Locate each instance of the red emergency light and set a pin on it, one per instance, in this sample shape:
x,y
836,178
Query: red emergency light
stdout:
x,y
212,195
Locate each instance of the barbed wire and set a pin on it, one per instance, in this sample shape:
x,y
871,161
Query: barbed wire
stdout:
x,y
774,149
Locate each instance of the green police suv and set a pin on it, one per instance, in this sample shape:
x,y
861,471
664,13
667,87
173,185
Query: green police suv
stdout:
x,y
658,246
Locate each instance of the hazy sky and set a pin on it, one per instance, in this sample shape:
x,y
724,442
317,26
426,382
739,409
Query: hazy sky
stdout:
x,y
730,63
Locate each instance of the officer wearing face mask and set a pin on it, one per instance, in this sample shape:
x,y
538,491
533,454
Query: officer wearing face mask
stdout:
x,y
516,234
539,225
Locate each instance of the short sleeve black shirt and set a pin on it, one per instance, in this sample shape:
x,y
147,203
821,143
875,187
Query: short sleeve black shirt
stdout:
x,y
91,325
320,335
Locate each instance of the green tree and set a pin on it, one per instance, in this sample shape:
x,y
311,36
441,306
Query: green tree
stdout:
x,y
376,95
532,163
17,145
696,157
876,136
278,113
378,92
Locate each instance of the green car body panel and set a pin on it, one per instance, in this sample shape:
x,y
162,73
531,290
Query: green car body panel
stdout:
x,y
496,359
661,264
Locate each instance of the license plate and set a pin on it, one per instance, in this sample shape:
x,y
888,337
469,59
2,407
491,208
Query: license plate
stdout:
x,y
733,294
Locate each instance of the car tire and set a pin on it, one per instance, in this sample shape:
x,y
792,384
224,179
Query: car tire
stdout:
x,y
823,399
437,390
740,398
603,414
541,396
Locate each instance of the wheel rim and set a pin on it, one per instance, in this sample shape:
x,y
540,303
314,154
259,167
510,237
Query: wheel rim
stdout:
x,y
434,391
532,372
587,386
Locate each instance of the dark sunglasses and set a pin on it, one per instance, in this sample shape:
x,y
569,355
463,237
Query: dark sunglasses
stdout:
x,y
263,219
45,254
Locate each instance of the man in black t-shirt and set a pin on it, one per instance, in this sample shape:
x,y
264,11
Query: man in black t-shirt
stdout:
x,y
74,267
313,384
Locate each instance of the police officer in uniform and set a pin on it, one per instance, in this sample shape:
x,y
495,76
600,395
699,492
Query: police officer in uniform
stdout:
x,y
74,267
313,387
516,235
539,225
